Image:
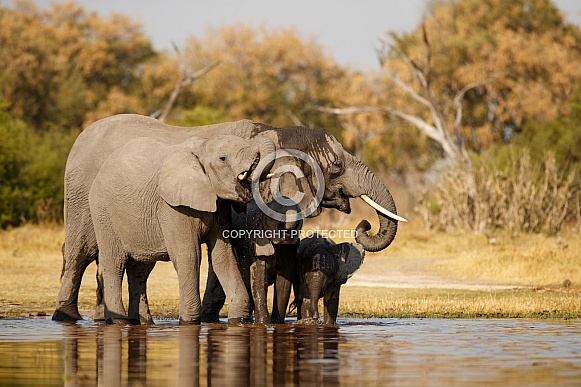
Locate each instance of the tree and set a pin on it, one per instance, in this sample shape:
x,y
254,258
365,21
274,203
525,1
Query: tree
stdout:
x,y
266,75
480,69
474,72
61,63
525,45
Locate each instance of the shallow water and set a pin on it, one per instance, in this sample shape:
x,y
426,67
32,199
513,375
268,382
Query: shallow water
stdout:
x,y
363,352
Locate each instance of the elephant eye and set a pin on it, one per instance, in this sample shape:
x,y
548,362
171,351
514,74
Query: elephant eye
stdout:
x,y
336,168
223,158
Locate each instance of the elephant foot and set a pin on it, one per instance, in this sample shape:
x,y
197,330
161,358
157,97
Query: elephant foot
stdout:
x,y
99,313
210,318
119,321
146,320
262,321
69,316
237,321
308,321
189,322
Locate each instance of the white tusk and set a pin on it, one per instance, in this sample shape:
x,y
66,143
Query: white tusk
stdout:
x,y
242,176
269,175
385,212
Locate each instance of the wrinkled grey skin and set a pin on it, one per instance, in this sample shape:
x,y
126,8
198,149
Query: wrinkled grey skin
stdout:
x,y
325,266
345,177
265,260
152,202
266,255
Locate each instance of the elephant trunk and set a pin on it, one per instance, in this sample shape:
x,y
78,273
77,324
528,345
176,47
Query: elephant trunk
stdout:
x,y
292,221
376,194
315,281
267,152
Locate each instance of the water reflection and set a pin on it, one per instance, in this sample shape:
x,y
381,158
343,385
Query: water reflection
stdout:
x,y
231,355
380,352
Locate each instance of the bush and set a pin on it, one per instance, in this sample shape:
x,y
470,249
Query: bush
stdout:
x,y
524,197
31,172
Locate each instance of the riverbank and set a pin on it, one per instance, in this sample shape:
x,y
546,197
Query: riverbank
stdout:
x,y
423,274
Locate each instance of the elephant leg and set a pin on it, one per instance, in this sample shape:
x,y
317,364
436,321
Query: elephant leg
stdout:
x,y
259,289
214,296
298,301
287,270
282,289
111,267
99,313
137,274
187,265
331,305
228,273
76,258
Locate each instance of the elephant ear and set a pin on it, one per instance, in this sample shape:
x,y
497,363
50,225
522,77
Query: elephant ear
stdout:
x,y
349,258
182,180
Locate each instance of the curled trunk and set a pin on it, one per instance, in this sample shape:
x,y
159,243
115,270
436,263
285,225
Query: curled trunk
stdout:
x,y
369,184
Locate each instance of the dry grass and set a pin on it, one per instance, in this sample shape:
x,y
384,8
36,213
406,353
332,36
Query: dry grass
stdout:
x,y
526,259
526,196
429,303
30,266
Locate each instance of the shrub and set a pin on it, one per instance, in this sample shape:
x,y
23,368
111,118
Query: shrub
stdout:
x,y
31,172
526,196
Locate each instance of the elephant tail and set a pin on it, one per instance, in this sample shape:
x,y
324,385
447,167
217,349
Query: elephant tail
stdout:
x,y
292,306
63,269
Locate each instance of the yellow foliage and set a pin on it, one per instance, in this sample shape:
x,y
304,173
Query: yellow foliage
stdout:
x,y
263,74
526,49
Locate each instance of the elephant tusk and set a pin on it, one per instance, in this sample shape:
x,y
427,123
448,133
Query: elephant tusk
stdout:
x,y
242,176
379,208
269,175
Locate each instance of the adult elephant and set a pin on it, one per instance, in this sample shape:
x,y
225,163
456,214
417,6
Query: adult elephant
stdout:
x,y
266,250
345,176
151,201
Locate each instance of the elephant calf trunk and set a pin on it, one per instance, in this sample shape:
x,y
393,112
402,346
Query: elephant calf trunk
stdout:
x,y
314,281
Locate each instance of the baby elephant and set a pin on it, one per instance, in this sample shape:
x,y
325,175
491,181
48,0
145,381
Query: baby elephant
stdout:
x,y
325,266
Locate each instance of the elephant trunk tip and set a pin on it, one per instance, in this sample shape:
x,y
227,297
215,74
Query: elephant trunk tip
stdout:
x,y
383,238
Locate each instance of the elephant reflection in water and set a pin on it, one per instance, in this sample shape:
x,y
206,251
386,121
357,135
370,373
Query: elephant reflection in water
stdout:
x,y
223,355
104,366
313,344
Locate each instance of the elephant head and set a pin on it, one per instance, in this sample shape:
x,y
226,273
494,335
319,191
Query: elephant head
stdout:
x,y
198,171
345,177
275,231
287,187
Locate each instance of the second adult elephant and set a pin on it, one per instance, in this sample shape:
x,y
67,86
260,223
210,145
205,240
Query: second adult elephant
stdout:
x,y
266,251
151,201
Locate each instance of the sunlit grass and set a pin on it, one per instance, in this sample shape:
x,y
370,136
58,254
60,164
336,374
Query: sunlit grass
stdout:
x,y
31,263
451,303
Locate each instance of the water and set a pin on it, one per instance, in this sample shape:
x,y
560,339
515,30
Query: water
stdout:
x,y
359,352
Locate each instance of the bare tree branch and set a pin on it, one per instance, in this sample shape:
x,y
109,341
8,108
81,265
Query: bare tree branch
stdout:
x,y
408,89
363,137
460,96
296,120
428,60
185,79
429,130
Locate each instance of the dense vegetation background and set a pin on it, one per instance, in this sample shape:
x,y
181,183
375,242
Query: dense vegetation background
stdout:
x,y
477,111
